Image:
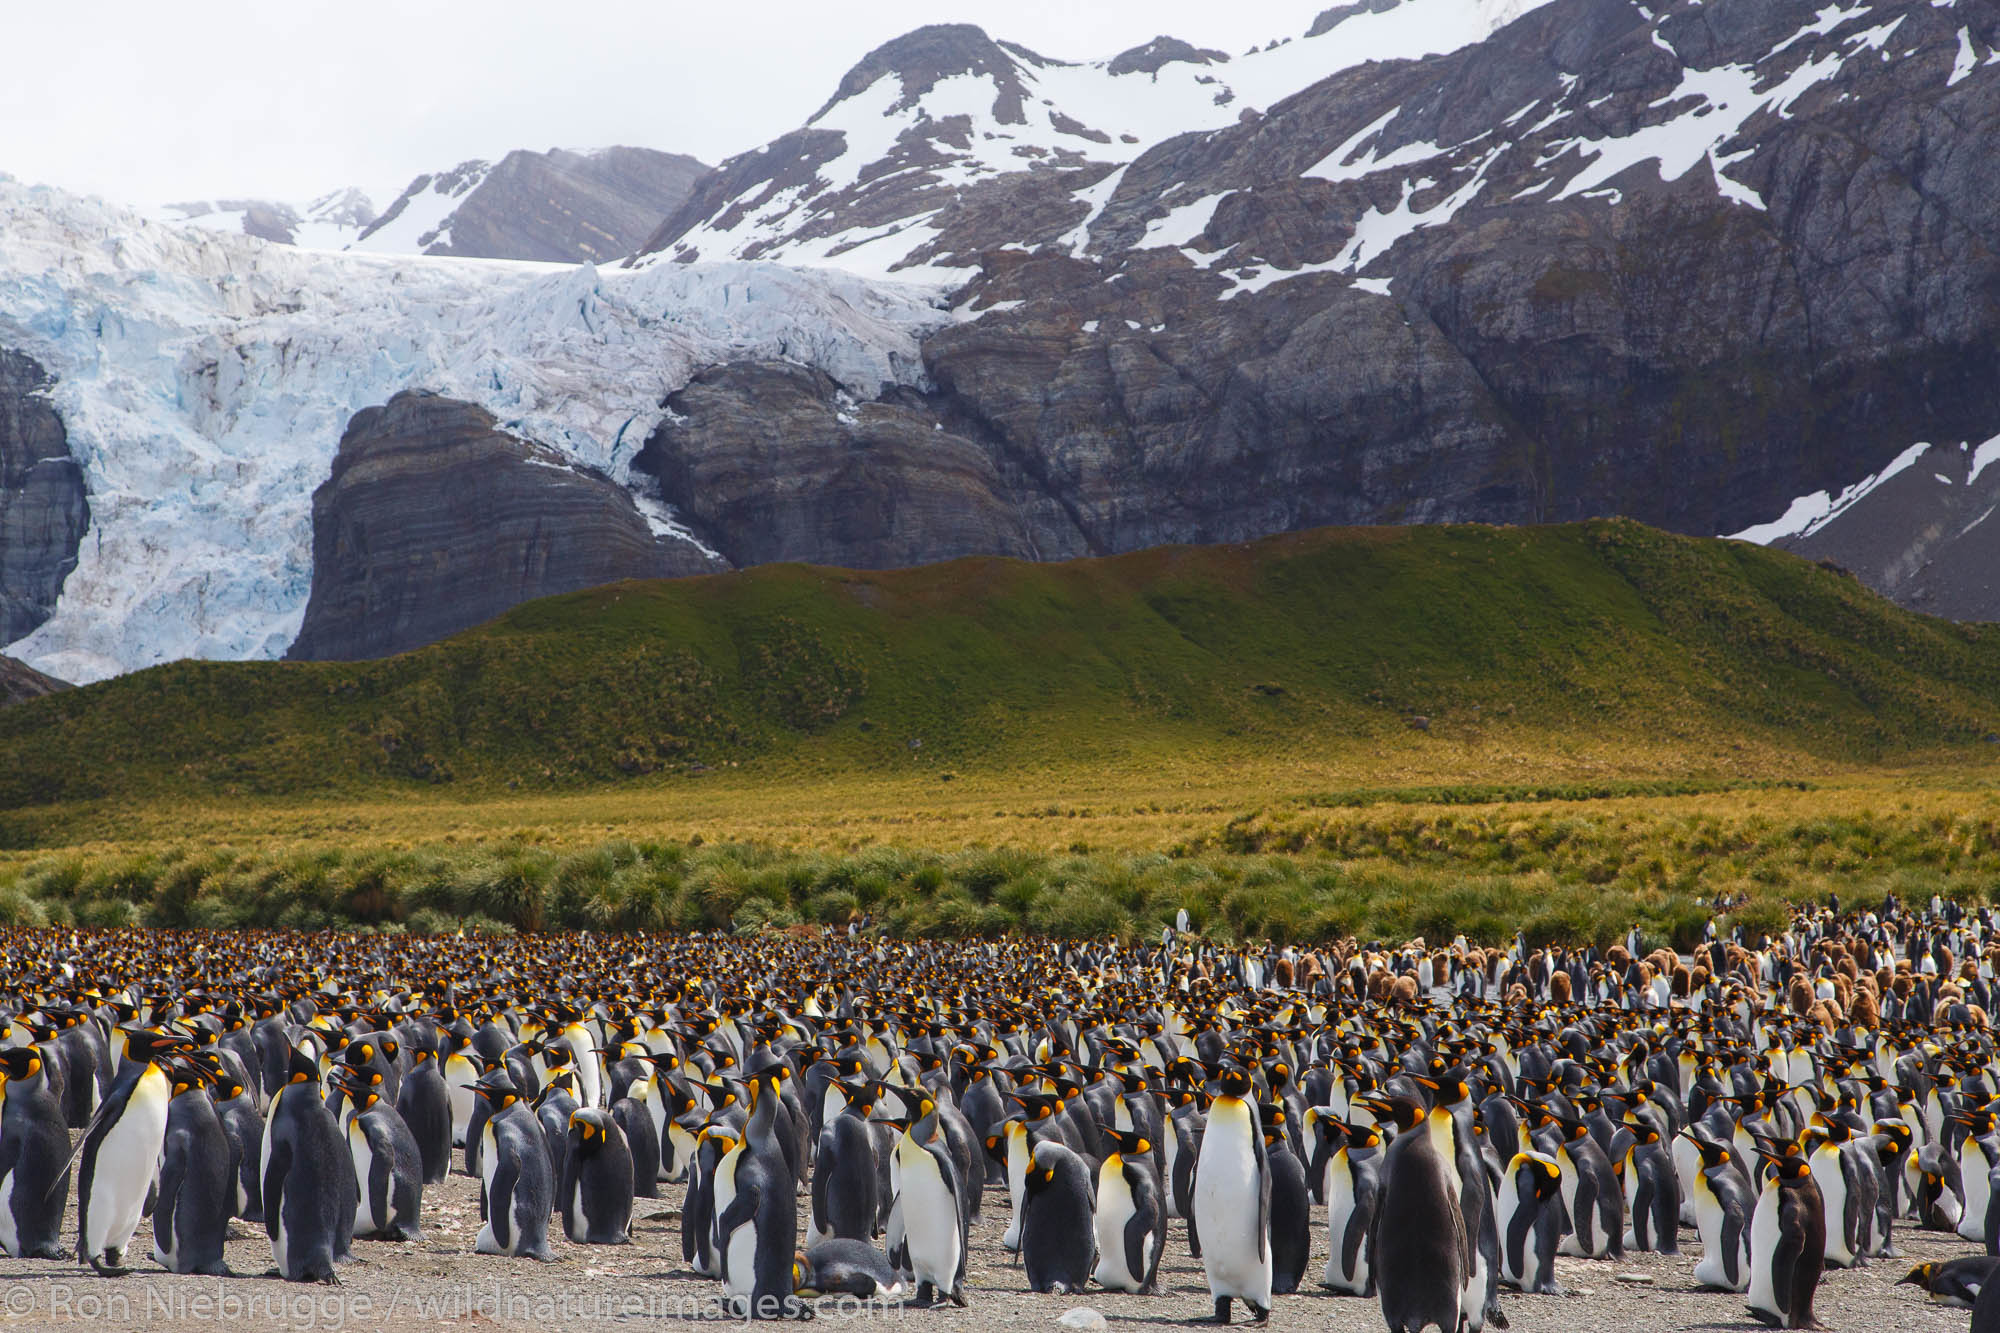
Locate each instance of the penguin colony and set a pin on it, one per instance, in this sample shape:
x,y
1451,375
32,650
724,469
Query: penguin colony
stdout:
x,y
1438,1123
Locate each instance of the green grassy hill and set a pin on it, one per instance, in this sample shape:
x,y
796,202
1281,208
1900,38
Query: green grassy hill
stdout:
x,y
1319,639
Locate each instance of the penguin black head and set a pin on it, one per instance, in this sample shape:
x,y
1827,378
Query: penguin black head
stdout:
x,y
144,1044
1406,1113
301,1067
1233,1081
20,1062
1920,1275
1129,1142
498,1090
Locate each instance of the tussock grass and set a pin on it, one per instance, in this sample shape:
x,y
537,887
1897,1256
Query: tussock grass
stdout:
x,y
1383,733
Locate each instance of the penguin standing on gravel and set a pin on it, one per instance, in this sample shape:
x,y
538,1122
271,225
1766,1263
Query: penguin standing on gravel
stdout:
x,y
1528,1213
925,1186
757,1212
34,1159
1787,1245
598,1180
120,1155
388,1167
1291,1205
1419,1248
1232,1200
1058,1236
1131,1220
516,1182
1351,1181
1723,1206
197,1193
309,1188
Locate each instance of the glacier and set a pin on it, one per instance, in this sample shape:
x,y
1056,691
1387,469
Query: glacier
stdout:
x,y
205,379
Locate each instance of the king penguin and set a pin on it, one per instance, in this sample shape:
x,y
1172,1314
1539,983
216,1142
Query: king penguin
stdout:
x,y
1058,1239
757,1212
1131,1221
197,1190
1419,1249
424,1102
516,1182
1787,1245
598,1180
388,1166
1232,1200
1722,1212
309,1188
1352,1182
34,1159
925,1186
1528,1213
120,1155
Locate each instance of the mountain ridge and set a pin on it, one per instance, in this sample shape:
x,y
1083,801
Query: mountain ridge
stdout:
x,y
1520,639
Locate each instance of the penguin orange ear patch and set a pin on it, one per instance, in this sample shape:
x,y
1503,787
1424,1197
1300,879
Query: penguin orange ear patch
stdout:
x,y
1144,1146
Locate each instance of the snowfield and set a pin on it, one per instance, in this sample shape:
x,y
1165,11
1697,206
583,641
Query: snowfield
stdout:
x,y
205,380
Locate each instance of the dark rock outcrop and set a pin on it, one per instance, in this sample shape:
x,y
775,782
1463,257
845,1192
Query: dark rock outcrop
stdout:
x,y
771,461
20,682
44,508
557,206
1926,536
434,520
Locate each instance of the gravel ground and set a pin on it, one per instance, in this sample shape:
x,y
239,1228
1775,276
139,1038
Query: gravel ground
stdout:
x,y
438,1283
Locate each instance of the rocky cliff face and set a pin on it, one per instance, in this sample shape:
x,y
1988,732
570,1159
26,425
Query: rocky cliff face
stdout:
x,y
771,461
434,521
1682,263
43,507
20,682
558,206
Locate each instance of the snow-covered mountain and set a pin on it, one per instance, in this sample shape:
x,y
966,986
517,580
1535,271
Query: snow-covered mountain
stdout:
x,y
330,222
557,206
204,381
1433,261
866,184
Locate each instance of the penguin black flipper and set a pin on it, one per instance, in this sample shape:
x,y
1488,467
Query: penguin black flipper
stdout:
x,y
277,1165
1733,1241
172,1176
1799,1278
1263,1194
500,1203
1137,1228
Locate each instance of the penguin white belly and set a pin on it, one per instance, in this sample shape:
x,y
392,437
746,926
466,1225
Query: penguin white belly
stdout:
x,y
1017,1187
1763,1241
1339,1213
489,1166
930,1228
365,1220
10,1235
589,1065
1114,1210
1687,1167
1973,1174
1573,1244
741,1248
459,1077
1710,1220
128,1161
1225,1193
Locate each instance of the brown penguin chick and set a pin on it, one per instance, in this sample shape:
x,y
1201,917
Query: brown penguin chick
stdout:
x,y
1559,988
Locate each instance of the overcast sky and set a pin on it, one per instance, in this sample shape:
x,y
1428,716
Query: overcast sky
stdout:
x,y
150,102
